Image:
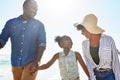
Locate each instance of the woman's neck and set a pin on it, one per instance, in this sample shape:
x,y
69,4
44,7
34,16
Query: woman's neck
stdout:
x,y
95,40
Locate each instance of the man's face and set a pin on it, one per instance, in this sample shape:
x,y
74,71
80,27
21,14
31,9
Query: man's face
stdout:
x,y
30,9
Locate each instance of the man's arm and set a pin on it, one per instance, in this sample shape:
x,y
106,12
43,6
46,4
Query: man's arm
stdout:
x,y
40,53
1,46
35,64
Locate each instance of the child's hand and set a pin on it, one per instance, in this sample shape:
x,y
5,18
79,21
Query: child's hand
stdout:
x,y
33,67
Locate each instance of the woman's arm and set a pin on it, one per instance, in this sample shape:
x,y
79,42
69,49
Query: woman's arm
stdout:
x,y
80,60
47,65
115,60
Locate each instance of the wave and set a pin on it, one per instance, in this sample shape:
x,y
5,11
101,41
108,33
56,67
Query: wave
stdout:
x,y
4,59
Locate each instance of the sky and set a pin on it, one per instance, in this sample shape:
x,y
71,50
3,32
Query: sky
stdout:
x,y
58,16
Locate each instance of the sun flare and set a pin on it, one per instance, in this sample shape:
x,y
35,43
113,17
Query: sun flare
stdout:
x,y
56,6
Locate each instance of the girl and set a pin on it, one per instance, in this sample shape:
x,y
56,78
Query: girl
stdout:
x,y
67,60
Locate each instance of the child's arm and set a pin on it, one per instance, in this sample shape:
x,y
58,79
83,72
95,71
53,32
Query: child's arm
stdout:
x,y
47,65
79,58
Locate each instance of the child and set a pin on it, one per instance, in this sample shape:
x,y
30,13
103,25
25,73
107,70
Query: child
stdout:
x,y
67,60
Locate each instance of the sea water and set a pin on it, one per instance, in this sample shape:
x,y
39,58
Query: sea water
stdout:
x,y
51,73
5,67
6,72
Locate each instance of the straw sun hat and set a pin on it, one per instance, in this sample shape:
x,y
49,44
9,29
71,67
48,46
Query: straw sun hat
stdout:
x,y
90,24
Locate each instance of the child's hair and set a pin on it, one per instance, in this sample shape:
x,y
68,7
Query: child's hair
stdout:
x,y
59,39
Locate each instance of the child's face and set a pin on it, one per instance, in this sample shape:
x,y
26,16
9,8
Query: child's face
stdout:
x,y
66,43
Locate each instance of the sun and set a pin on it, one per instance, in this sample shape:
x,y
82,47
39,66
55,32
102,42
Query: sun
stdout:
x,y
56,6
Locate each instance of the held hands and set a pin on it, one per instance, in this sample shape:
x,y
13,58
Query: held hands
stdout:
x,y
33,67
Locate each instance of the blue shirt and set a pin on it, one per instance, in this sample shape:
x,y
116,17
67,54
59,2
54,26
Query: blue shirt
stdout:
x,y
26,37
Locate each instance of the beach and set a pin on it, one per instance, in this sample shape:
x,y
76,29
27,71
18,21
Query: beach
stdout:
x,y
51,73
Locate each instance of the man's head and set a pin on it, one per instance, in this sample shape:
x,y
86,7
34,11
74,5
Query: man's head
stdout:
x,y
30,8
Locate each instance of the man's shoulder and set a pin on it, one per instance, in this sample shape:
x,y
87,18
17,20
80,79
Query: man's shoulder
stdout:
x,y
12,20
37,20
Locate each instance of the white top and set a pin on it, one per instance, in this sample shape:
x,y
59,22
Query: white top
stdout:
x,y
68,66
108,55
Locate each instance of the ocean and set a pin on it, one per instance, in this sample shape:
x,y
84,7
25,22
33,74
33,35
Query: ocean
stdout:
x,y
51,73
5,67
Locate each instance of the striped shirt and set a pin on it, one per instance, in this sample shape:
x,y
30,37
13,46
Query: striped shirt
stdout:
x,y
108,55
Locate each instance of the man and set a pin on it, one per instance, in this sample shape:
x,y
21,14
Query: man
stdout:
x,y
28,42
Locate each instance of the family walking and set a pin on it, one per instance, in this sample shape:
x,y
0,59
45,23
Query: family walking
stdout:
x,y
28,42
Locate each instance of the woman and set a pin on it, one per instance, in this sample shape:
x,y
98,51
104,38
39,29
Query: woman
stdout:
x,y
99,51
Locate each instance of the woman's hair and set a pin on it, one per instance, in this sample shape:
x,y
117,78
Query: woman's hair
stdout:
x,y
59,39
80,27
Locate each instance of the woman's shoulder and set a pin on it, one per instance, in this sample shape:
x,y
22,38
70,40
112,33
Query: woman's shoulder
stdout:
x,y
107,38
85,42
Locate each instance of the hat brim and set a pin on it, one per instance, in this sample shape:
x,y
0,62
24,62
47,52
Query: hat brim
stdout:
x,y
93,30
90,29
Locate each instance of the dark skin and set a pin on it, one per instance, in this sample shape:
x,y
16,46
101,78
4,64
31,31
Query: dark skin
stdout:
x,y
34,65
93,38
1,46
56,56
66,45
26,16
29,11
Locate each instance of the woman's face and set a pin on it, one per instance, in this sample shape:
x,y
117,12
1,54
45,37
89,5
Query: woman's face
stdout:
x,y
85,33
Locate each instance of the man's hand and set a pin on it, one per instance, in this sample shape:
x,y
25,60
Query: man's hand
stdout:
x,y
33,67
